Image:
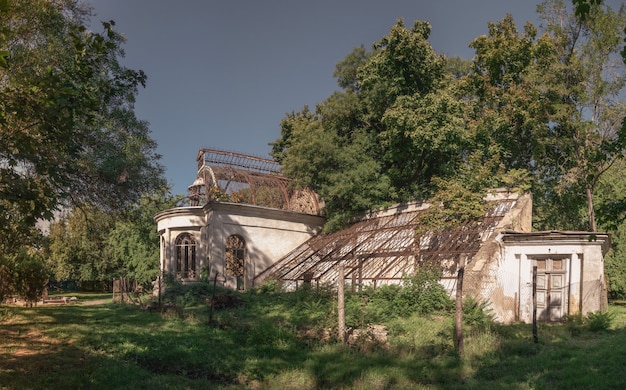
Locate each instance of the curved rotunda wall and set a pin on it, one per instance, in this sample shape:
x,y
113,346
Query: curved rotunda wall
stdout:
x,y
174,223
268,235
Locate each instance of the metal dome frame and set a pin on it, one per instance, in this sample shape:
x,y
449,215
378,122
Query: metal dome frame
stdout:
x,y
240,178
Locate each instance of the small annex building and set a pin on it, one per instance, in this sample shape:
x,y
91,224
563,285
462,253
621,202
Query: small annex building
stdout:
x,y
246,224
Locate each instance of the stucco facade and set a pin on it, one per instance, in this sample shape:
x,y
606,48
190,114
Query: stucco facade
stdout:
x,y
236,241
569,278
570,273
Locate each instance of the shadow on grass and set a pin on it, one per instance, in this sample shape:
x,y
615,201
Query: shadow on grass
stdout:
x,y
118,346
561,359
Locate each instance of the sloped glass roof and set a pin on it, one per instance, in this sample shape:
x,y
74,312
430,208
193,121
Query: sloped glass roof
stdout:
x,y
385,248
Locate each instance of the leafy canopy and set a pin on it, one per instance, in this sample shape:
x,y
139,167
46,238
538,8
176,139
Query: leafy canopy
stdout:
x,y
69,137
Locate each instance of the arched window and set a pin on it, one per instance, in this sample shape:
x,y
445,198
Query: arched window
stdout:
x,y
235,256
185,256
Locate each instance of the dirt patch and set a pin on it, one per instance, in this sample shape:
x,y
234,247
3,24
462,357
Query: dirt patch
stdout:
x,y
95,302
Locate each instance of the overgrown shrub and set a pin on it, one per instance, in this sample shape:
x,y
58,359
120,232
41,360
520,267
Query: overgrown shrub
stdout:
x,y
173,288
196,293
600,320
575,323
199,293
224,300
268,287
429,295
421,294
23,274
595,322
477,312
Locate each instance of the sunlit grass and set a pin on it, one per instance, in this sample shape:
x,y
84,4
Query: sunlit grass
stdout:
x,y
266,344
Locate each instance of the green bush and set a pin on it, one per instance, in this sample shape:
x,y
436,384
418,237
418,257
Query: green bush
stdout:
x,y
419,294
575,323
186,295
197,293
600,320
268,287
477,312
23,274
595,322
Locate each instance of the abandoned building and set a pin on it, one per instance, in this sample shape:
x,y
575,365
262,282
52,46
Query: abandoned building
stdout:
x,y
245,224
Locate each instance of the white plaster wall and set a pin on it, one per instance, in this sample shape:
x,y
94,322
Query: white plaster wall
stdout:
x,y
180,217
269,235
492,276
171,223
584,264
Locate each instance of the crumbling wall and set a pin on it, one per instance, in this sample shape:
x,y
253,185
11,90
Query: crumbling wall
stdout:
x,y
488,277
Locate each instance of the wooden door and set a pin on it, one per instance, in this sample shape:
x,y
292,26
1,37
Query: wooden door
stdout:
x,y
551,289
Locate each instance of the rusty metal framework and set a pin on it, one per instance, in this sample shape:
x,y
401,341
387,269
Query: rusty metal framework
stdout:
x,y
384,248
239,178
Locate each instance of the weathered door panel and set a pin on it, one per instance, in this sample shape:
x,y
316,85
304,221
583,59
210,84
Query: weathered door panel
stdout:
x,y
551,290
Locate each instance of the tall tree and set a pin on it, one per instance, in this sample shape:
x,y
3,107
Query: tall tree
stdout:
x,y
507,111
69,136
94,245
381,139
612,218
550,105
68,132
76,246
592,111
133,242
336,166
591,79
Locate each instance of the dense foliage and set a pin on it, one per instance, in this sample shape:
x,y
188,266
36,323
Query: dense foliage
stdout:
x,y
69,137
534,110
90,245
529,109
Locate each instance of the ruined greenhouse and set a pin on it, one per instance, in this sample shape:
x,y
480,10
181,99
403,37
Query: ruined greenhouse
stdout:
x,y
246,224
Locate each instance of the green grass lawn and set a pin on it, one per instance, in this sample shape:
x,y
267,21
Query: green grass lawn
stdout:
x,y
266,343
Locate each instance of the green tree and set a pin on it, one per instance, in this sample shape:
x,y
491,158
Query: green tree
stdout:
x,y
347,178
506,116
506,110
23,274
133,242
591,111
31,275
76,246
612,218
95,245
424,137
550,106
68,133
372,143
403,63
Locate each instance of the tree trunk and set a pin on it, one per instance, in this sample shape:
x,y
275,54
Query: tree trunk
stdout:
x,y
535,336
590,213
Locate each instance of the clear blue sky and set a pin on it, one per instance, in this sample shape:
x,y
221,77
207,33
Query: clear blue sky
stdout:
x,y
222,74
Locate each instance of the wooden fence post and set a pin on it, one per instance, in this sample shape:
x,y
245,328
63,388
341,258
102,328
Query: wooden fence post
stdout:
x,y
213,299
458,322
341,319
